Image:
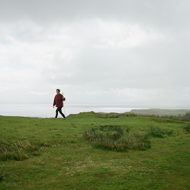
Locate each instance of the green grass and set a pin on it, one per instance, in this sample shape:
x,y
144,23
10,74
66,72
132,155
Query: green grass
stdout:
x,y
59,157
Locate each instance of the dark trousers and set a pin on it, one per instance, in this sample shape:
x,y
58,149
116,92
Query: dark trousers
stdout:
x,y
59,109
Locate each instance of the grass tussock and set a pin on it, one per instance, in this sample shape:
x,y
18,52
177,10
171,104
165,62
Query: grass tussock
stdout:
x,y
158,132
187,127
18,151
117,138
3,175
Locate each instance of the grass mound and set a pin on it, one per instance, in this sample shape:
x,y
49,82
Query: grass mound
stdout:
x,y
158,132
187,127
116,138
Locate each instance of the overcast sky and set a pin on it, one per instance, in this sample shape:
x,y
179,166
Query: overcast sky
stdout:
x,y
130,52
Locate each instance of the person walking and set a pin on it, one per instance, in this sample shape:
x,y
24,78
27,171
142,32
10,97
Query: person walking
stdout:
x,y
58,102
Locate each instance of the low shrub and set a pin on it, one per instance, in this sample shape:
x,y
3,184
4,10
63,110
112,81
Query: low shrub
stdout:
x,y
116,138
158,132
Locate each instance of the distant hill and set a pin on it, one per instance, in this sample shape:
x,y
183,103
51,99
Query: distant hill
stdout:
x,y
160,112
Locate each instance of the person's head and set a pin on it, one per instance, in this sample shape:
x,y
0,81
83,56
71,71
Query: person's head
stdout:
x,y
57,91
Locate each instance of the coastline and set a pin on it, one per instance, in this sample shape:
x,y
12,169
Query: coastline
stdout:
x,y
46,110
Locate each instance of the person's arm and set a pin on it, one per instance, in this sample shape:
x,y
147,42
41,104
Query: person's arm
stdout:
x,y
54,103
63,98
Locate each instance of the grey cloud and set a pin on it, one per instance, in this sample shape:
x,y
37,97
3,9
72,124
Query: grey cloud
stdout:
x,y
158,12
96,51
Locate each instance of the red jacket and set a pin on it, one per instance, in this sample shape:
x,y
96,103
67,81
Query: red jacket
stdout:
x,y
58,100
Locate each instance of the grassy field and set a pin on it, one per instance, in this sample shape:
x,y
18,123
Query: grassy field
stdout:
x,y
161,112
40,153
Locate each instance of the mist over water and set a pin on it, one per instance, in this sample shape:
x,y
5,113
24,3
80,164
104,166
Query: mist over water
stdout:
x,y
47,110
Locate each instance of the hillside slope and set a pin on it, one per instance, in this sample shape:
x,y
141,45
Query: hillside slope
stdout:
x,y
54,154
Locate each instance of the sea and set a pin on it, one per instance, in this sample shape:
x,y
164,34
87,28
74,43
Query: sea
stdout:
x,y
47,111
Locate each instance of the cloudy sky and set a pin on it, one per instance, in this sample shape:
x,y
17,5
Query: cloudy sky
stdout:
x,y
129,52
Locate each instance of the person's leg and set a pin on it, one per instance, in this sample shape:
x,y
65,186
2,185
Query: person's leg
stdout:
x,y
56,112
60,111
